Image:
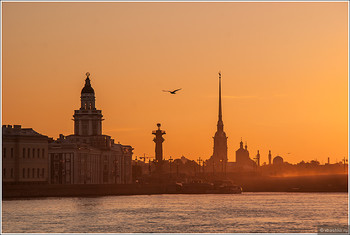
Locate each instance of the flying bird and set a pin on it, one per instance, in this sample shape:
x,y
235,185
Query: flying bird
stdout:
x,y
173,92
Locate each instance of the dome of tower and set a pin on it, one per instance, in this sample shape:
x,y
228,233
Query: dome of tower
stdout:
x,y
278,160
87,88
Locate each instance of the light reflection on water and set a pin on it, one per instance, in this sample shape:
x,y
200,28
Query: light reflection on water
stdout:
x,y
209,213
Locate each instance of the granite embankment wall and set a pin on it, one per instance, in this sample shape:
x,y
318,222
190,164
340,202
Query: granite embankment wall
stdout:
x,y
320,183
312,183
51,190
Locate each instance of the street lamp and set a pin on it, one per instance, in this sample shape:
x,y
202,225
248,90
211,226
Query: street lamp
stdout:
x,y
222,166
199,163
170,160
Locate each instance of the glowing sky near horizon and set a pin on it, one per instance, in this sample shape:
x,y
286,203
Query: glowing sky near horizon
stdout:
x,y
284,73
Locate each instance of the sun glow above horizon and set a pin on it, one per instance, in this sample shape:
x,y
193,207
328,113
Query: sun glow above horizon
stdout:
x,y
284,73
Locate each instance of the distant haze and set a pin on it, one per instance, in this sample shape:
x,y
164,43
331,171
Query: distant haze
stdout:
x,y
284,73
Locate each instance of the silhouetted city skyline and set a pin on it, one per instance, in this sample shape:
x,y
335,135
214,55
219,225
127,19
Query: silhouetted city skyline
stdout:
x,y
175,117
285,81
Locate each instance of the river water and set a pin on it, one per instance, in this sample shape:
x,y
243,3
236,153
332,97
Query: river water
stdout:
x,y
204,213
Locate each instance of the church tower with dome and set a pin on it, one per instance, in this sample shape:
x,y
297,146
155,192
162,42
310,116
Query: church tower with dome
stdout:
x,y
87,120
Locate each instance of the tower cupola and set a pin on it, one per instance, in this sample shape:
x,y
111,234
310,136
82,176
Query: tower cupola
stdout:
x,y
87,95
87,88
87,120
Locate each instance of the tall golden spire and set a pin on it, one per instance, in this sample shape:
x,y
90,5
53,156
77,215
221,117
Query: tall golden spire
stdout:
x,y
220,126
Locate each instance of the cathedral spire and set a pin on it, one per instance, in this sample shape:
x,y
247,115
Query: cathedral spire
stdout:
x,y
220,110
220,139
220,126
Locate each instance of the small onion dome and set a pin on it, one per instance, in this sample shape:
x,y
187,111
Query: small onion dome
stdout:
x,y
278,160
87,88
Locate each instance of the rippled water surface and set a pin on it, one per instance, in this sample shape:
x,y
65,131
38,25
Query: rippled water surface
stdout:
x,y
248,212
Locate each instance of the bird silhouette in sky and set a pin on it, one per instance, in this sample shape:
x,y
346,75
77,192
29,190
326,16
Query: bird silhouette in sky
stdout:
x,y
173,92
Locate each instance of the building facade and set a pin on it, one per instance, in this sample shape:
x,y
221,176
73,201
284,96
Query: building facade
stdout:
x,y
242,157
88,156
24,156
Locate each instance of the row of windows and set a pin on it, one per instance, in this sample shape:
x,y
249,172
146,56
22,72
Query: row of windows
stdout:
x,y
29,153
32,153
30,173
4,173
4,152
38,175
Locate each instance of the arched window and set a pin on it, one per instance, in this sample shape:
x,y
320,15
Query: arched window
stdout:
x,y
28,173
43,153
28,153
33,173
33,153
24,153
38,173
38,153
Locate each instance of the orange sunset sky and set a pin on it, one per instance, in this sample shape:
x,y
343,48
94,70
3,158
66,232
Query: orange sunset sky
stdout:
x,y
284,73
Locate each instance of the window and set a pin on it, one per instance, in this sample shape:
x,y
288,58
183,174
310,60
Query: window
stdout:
x,y
28,173
11,152
38,173
24,153
43,172
76,127
43,153
38,153
4,172
33,173
4,152
94,127
11,172
28,153
24,173
85,127
33,153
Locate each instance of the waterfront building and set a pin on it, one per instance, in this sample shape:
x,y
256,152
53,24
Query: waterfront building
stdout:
x,y
24,156
88,156
270,157
219,158
242,157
